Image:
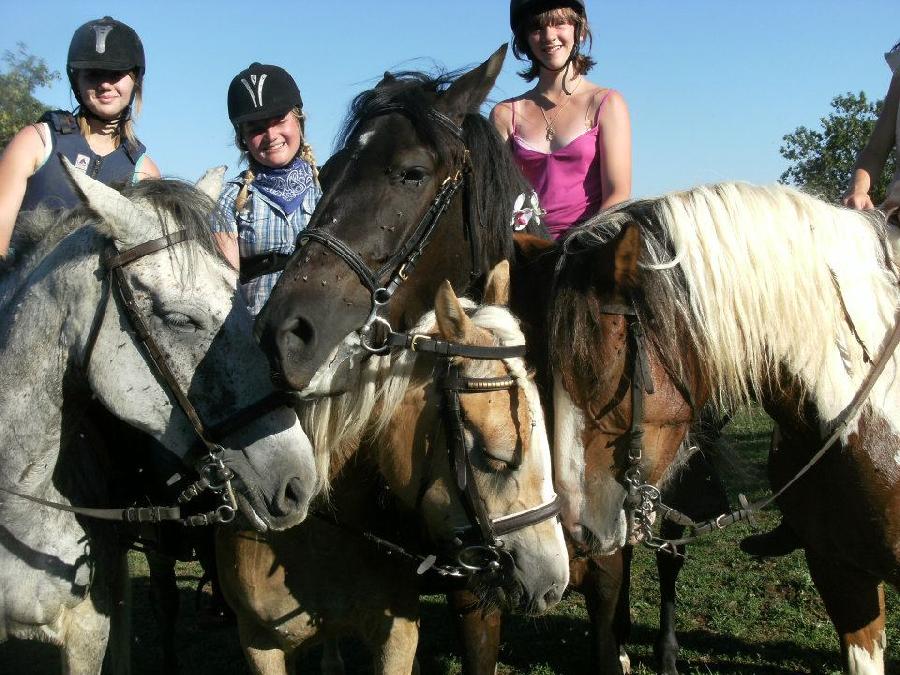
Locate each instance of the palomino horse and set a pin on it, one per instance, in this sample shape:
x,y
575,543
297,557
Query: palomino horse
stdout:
x,y
326,578
734,292
173,342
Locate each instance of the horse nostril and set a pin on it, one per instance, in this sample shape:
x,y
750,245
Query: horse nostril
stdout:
x,y
552,596
295,336
292,499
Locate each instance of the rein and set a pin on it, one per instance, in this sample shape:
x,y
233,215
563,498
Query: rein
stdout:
x,y
643,500
383,283
479,547
839,425
214,476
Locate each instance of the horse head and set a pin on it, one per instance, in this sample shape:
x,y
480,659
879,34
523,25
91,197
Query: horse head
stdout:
x,y
420,193
619,413
467,448
172,289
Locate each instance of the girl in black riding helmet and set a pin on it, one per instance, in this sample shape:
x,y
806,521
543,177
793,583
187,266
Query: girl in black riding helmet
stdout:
x,y
270,203
570,137
105,66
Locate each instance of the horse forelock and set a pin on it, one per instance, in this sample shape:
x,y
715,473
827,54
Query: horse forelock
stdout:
x,y
751,290
336,424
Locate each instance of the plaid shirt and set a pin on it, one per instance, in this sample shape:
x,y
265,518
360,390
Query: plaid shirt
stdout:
x,y
262,227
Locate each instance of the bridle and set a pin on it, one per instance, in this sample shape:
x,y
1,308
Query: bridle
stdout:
x,y
383,283
642,498
214,476
477,548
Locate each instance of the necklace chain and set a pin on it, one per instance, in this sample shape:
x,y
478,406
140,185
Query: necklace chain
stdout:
x,y
549,121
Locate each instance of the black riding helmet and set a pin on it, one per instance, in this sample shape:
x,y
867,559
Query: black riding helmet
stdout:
x,y
520,8
260,92
104,44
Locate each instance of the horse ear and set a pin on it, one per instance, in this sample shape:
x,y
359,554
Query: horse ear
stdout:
x,y
468,92
627,249
496,289
210,182
386,80
453,323
120,218
530,246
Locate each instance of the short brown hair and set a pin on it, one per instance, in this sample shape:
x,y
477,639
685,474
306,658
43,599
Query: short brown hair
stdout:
x,y
551,17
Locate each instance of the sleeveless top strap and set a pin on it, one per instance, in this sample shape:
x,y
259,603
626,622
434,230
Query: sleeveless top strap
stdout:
x,y
600,106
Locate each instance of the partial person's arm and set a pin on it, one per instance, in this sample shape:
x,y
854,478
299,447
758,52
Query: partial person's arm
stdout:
x,y
19,161
873,157
501,118
146,168
614,148
228,244
225,229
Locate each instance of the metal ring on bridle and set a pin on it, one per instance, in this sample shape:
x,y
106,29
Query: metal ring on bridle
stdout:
x,y
479,558
366,334
225,513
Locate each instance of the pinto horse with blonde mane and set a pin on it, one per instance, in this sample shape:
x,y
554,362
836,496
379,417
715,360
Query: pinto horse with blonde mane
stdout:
x,y
735,293
404,432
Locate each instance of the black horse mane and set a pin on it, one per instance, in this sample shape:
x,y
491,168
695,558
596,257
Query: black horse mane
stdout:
x,y
496,181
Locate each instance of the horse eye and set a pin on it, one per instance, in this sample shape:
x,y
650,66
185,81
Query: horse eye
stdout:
x,y
414,174
180,322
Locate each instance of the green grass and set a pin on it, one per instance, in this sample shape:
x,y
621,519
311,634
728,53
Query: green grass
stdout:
x,y
736,614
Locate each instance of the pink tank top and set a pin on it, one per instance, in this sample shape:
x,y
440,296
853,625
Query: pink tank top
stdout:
x,y
566,180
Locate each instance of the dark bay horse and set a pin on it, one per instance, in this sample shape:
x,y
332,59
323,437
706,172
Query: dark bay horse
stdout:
x,y
421,191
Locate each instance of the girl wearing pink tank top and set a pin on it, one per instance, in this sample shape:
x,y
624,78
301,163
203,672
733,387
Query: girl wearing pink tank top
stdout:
x,y
570,137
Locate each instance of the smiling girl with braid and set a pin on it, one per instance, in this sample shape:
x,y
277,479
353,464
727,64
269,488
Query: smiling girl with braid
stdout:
x,y
270,203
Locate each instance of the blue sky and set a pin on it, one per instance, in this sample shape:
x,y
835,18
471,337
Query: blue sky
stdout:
x,y
712,85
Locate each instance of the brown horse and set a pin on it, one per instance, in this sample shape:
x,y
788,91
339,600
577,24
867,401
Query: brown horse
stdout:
x,y
338,573
733,292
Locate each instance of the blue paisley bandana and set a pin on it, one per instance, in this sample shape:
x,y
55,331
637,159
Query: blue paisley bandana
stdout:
x,y
284,186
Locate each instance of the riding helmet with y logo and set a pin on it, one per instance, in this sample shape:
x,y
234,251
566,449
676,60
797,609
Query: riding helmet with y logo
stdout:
x,y
261,92
104,44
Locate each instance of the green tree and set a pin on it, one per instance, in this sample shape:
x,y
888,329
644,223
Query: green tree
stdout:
x,y
821,160
18,106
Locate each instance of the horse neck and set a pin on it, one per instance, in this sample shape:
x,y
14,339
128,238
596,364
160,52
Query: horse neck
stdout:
x,y
41,332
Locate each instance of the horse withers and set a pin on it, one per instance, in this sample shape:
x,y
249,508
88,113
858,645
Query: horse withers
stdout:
x,y
427,422
90,290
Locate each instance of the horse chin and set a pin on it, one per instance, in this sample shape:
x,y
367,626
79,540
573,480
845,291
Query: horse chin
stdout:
x,y
248,515
604,545
339,373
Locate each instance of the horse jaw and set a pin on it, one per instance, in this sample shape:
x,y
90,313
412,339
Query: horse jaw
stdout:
x,y
210,182
340,371
120,218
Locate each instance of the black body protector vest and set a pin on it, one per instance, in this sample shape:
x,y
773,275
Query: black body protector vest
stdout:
x,y
50,186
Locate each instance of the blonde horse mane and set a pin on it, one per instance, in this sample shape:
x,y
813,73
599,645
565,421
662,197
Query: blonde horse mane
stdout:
x,y
752,290
337,424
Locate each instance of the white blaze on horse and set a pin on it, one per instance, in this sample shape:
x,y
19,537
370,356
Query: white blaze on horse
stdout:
x,y
426,421
737,293
67,337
